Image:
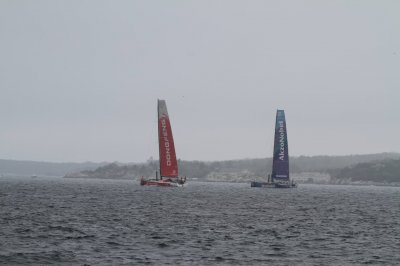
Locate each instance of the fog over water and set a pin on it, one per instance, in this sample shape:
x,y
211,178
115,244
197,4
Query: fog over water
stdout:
x,y
79,80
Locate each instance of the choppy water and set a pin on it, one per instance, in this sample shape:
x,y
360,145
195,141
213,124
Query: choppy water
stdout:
x,y
92,222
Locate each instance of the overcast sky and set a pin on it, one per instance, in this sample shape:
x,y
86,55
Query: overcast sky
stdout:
x,y
79,80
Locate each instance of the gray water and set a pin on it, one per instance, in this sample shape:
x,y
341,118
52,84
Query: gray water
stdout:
x,y
115,222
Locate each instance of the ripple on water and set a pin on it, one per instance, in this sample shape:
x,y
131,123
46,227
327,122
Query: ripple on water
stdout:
x,y
64,221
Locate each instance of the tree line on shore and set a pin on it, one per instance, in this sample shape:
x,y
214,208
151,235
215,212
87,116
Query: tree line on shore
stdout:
x,y
371,167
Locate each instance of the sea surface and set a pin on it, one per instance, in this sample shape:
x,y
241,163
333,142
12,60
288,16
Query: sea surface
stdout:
x,y
117,222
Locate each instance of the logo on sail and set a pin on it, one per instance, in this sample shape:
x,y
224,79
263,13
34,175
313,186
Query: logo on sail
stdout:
x,y
166,142
281,141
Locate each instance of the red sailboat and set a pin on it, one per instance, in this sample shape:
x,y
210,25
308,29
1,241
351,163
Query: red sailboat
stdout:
x,y
168,164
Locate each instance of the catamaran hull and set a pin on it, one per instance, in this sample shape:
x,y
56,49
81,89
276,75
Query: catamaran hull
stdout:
x,y
271,185
159,183
162,182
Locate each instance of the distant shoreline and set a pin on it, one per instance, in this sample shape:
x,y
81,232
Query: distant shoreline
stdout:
x,y
364,184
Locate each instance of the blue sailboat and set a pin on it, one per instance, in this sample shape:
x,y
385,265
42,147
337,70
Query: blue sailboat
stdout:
x,y
279,177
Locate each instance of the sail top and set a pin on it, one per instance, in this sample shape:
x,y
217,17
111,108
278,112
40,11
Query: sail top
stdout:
x,y
168,162
280,164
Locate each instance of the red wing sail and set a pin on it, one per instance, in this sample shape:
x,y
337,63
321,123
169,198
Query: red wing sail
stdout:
x,y
168,163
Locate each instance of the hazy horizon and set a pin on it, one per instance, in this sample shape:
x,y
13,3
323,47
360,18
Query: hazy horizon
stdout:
x,y
79,81
232,159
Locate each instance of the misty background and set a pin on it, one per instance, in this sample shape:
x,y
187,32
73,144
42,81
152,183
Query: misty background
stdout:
x,y
79,80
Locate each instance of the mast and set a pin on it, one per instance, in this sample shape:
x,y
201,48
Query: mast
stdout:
x,y
159,146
